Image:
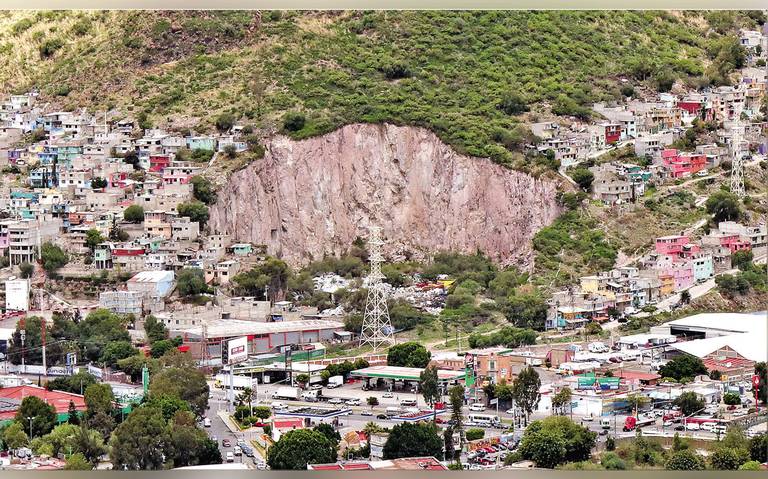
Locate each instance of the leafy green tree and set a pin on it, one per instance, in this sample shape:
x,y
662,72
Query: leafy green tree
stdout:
x,y
134,214
53,257
723,206
689,402
43,416
372,401
732,399
98,329
14,436
751,466
525,390
742,260
300,447
758,448
101,423
203,189
545,448
187,384
526,310
583,177
561,399
413,440
410,354
429,385
513,103
89,443
73,415
98,183
194,210
154,329
116,351
612,462
77,462
273,273
141,442
26,270
294,121
93,238
685,460
330,433
225,121
99,398
191,282
474,434
76,384
725,459
686,366
168,405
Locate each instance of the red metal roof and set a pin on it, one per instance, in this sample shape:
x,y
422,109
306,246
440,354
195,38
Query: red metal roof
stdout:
x,y
58,399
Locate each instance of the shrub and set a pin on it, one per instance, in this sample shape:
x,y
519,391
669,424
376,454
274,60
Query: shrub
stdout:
x,y
134,214
294,121
50,46
613,462
225,121
513,103
395,70
474,434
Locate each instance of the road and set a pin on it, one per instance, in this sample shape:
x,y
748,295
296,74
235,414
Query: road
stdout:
x,y
219,430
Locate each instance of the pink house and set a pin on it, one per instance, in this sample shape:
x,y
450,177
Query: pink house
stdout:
x,y
734,243
680,270
682,164
671,245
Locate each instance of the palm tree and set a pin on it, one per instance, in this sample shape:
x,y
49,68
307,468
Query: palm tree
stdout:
x,y
245,397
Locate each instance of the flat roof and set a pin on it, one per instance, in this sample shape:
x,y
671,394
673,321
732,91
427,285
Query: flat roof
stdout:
x,y
411,374
313,412
235,327
728,322
152,277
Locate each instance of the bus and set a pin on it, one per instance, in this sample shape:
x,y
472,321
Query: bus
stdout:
x,y
483,420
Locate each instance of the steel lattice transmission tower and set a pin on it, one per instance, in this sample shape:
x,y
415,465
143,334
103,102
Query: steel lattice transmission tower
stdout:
x,y
737,167
377,327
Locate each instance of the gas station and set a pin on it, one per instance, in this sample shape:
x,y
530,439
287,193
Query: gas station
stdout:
x,y
392,378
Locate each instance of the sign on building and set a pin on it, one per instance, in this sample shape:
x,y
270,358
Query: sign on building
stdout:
x,y
237,350
17,295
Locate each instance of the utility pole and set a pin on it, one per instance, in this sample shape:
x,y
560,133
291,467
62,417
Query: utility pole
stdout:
x,y
23,334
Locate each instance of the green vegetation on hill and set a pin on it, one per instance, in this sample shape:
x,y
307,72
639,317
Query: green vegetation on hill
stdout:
x,y
468,76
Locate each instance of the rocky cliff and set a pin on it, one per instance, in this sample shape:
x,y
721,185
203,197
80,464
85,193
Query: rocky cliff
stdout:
x,y
308,198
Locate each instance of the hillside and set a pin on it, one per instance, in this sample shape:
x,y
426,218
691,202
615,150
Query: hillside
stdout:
x,y
467,76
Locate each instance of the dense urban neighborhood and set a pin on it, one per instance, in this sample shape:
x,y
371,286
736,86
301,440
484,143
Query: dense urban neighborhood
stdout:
x,y
168,301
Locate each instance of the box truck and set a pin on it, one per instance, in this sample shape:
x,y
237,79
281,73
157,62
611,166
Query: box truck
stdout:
x,y
335,381
287,393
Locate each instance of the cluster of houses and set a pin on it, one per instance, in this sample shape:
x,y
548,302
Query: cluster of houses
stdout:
x,y
676,264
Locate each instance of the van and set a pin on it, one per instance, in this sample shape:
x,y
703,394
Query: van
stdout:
x,y
693,426
708,426
408,402
207,422
479,407
392,411
605,423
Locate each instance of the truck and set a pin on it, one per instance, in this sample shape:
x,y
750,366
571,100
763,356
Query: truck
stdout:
x,y
313,395
631,423
239,382
597,347
335,381
287,392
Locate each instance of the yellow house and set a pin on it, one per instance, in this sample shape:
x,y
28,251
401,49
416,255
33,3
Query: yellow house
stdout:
x,y
667,284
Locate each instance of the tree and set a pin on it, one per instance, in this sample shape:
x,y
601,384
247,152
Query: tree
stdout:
x,y
732,399
93,238
474,434
98,183
230,151
429,385
525,390
302,379
262,412
525,310
583,177
723,206
561,399
751,466
685,460
513,103
593,329
448,446
577,441
503,391
191,282
411,355
43,416
99,398
330,433
685,366
89,443
53,257
225,121
679,443
77,462
73,416
185,383
689,403
546,449
134,214
758,448
413,440
116,351
26,269
456,395
194,210
725,459
100,328
742,260
685,297
14,436
203,189
141,442
637,401
612,462
168,405
102,423
300,447
154,329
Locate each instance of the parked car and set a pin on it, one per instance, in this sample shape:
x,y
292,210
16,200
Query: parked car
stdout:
x,y
230,457
352,402
207,422
388,394
226,443
335,401
316,387
477,407
381,416
366,412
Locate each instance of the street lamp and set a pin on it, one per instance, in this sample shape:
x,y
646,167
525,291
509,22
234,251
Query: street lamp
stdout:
x,y
29,418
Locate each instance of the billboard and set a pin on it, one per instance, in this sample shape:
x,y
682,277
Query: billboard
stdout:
x,y
237,350
590,382
17,295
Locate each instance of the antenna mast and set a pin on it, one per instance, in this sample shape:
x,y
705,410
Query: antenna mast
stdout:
x,y
737,167
377,327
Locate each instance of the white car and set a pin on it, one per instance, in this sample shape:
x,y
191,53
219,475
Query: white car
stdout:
x,y
335,401
366,412
230,457
708,426
316,387
352,402
477,407
510,411
702,173
387,395
207,422
587,418
278,406
693,426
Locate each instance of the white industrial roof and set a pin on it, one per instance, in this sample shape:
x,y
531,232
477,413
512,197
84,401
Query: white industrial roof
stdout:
x,y
233,327
726,322
152,276
749,345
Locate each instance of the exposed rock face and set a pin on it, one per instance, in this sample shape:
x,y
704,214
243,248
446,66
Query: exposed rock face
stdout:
x,y
308,198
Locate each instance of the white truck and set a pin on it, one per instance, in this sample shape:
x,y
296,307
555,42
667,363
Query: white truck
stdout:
x,y
239,382
312,395
598,347
286,392
335,381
